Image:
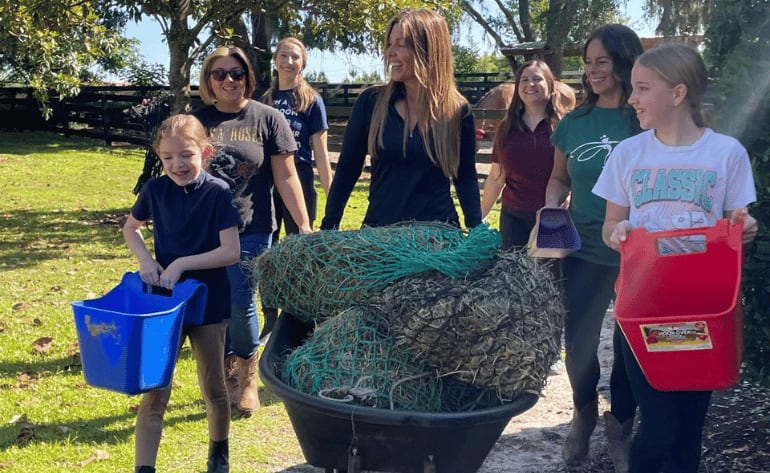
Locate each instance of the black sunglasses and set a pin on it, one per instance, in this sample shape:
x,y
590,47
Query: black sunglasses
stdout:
x,y
235,74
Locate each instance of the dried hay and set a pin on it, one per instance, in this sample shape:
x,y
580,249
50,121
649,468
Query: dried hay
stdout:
x,y
316,276
500,330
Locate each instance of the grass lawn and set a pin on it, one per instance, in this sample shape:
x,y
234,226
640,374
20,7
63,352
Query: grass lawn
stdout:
x,y
64,200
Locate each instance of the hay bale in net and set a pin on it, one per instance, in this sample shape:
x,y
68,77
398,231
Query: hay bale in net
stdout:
x,y
500,330
318,275
352,358
459,396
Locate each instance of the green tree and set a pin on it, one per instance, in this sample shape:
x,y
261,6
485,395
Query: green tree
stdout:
x,y
466,58
559,23
738,53
679,17
362,78
54,44
316,77
193,27
190,28
141,72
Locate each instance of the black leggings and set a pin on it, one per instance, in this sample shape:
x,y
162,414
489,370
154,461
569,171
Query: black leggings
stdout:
x,y
282,215
515,227
588,289
670,431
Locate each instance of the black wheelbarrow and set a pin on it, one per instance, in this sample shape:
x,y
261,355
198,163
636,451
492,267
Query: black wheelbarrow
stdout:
x,y
347,438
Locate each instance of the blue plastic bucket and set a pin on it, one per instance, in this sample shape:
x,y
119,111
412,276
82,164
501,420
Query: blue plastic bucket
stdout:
x,y
129,338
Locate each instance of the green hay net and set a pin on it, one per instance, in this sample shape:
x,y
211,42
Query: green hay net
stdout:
x,y
500,330
351,358
316,276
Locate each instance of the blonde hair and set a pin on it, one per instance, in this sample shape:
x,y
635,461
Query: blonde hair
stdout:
x,y
303,93
441,107
184,125
207,95
678,63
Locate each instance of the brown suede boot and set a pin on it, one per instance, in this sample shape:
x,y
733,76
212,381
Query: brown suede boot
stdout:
x,y
231,380
618,441
579,438
247,380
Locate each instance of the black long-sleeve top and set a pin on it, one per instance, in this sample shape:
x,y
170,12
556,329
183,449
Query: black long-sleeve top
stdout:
x,y
402,188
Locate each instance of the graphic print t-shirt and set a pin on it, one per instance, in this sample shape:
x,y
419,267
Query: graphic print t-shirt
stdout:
x,y
303,124
587,139
244,143
677,187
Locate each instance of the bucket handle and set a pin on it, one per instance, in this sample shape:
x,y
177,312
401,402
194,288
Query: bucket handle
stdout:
x,y
190,290
195,293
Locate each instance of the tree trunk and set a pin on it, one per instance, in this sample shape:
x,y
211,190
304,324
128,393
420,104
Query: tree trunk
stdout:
x,y
262,54
179,44
560,15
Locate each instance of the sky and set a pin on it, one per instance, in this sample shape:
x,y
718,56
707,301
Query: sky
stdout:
x,y
337,66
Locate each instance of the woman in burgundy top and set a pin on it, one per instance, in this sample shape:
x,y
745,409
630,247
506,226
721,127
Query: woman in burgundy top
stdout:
x,y
522,156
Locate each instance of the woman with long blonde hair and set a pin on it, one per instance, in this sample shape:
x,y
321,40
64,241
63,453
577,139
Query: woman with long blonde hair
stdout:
x,y
305,111
418,130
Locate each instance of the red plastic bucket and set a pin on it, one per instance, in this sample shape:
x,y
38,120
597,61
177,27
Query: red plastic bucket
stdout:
x,y
680,312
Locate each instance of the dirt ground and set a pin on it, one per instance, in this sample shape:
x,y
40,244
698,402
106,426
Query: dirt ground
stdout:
x,y
736,435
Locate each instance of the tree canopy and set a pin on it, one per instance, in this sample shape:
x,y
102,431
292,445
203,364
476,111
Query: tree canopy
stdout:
x,y
558,23
53,44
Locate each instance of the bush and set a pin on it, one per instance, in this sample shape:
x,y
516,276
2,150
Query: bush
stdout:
x,y
738,54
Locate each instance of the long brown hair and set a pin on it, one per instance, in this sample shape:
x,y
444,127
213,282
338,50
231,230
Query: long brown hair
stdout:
x,y
623,46
555,108
441,107
304,95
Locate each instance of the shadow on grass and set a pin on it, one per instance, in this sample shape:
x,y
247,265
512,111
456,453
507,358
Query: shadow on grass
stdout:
x,y
87,431
83,430
33,236
68,366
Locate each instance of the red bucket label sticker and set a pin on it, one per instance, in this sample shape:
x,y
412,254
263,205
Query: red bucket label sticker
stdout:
x,y
676,337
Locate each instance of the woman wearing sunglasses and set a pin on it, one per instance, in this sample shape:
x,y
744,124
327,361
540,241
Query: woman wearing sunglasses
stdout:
x,y
254,153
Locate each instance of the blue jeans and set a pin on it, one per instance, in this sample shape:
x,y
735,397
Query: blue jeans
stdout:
x,y
243,327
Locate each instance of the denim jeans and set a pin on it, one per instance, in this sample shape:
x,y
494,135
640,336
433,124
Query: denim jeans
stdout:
x,y
243,327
